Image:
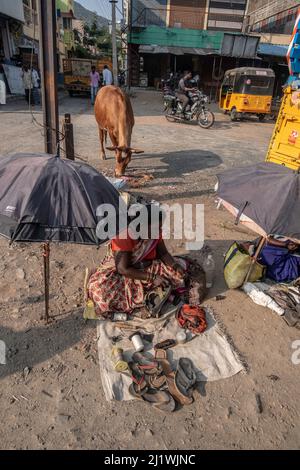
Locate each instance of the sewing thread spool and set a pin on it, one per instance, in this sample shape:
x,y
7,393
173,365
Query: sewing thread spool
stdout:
x,y
118,360
137,342
181,337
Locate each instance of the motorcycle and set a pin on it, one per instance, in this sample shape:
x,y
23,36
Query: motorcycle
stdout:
x,y
168,89
197,110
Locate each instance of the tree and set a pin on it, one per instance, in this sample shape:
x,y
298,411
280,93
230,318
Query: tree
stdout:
x,y
94,42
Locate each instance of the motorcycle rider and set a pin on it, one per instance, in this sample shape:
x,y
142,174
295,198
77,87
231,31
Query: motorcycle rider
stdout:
x,y
183,89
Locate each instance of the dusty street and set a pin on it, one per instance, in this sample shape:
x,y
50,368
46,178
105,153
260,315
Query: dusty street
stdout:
x,y
50,388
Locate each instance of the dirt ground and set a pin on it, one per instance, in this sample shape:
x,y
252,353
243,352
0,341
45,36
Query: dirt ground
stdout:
x,y
50,388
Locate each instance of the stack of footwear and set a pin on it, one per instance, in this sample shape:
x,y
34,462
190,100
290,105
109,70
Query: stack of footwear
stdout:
x,y
154,381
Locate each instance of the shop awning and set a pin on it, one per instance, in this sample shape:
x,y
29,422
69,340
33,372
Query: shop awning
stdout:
x,y
145,49
275,50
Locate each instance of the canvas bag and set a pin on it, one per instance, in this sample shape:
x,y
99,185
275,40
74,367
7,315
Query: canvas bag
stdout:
x,y
236,264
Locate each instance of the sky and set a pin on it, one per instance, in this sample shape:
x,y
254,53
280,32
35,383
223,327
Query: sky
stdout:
x,y
102,7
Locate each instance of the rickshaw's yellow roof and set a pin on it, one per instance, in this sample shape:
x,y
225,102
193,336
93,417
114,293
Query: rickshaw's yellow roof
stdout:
x,y
251,71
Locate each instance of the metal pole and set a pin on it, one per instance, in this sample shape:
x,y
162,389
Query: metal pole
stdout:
x,y
114,41
48,66
46,256
129,59
260,246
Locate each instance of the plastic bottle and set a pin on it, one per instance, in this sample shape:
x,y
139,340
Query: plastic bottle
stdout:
x,y
209,268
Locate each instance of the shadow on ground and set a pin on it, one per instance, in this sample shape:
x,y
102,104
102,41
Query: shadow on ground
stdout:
x,y
188,160
38,344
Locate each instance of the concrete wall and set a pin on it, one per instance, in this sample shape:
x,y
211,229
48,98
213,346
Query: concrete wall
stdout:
x,y
262,9
12,9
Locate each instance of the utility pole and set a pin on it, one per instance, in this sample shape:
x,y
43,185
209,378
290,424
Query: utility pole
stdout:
x,y
114,41
48,67
129,60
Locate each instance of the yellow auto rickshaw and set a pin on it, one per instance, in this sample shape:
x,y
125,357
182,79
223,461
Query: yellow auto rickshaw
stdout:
x,y
247,90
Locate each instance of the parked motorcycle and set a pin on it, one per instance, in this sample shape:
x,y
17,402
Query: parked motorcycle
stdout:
x,y
197,110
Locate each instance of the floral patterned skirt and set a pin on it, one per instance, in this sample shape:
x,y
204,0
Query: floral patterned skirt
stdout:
x,y
112,292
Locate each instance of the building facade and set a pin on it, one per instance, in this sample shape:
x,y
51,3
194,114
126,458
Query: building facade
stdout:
x,y
30,37
226,15
11,22
274,21
176,35
272,16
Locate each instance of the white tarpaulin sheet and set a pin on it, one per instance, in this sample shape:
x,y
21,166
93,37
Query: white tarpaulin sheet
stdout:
x,y
213,356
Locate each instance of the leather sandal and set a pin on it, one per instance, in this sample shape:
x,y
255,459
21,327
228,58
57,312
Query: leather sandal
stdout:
x,y
161,400
138,379
146,363
155,299
177,393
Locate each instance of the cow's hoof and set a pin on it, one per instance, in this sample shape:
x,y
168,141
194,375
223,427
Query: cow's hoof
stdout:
x,y
103,157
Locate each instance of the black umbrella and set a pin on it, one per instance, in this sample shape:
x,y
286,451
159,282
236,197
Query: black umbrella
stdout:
x,y
265,197
44,198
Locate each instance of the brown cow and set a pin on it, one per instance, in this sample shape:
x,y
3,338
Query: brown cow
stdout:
x,y
114,115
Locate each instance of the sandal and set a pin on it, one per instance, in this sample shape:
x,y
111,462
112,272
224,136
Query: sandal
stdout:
x,y
177,393
146,363
138,379
185,376
155,300
161,400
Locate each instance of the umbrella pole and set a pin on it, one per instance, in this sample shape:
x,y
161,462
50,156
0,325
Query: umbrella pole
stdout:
x,y
254,258
46,256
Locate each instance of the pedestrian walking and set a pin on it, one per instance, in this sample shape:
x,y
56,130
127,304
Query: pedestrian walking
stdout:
x,y
107,76
95,78
36,86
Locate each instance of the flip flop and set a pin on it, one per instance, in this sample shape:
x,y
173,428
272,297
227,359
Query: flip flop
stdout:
x,y
138,379
185,376
291,317
153,372
157,381
145,363
161,400
178,394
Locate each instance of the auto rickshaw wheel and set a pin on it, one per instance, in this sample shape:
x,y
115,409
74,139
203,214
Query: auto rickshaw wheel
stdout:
x,y
233,114
261,117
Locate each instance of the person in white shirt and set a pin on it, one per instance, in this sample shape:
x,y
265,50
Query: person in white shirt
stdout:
x,y
107,76
36,86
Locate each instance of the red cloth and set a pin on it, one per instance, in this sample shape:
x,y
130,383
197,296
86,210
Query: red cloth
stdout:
x,y
192,317
128,244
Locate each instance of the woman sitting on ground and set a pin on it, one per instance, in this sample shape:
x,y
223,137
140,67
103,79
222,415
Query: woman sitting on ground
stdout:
x,y
130,270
